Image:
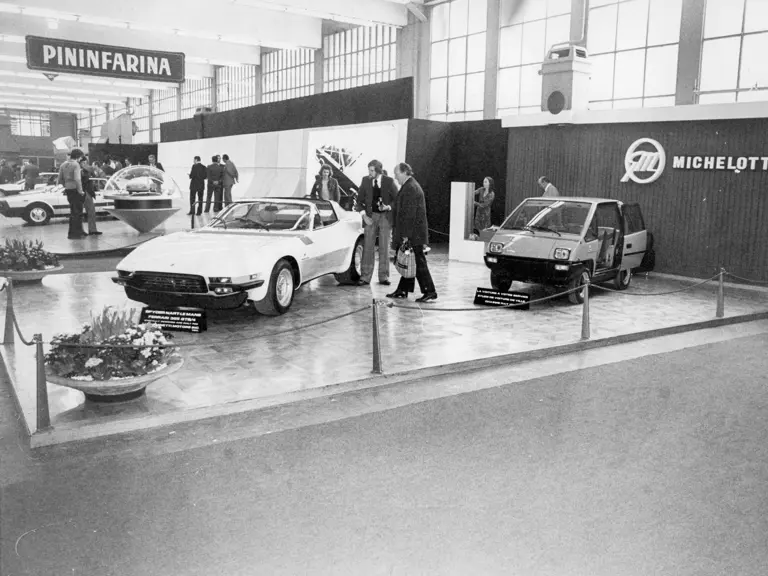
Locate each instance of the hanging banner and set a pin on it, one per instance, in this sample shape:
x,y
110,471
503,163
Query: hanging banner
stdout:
x,y
65,56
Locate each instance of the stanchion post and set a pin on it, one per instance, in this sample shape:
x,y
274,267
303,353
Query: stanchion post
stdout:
x,y
585,314
720,294
376,341
43,415
8,334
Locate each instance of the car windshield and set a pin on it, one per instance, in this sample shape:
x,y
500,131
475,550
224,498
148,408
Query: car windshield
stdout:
x,y
264,215
559,216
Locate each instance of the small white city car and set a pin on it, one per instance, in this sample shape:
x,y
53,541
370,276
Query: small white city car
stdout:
x,y
38,206
258,251
566,242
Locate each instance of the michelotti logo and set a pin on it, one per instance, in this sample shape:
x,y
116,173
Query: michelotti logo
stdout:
x,y
650,162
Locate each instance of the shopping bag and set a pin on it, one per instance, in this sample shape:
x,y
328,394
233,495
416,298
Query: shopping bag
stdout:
x,y
405,262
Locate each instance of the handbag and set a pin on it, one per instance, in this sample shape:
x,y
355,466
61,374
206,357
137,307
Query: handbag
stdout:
x,y
405,261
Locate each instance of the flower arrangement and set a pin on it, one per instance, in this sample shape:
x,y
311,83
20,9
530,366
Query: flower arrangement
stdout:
x,y
19,255
111,327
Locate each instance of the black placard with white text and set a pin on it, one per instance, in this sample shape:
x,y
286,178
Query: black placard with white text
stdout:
x,y
176,319
491,297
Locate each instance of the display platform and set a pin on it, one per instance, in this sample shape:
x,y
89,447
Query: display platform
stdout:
x,y
116,235
235,367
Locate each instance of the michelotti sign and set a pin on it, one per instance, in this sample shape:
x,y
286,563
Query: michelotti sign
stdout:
x,y
646,159
64,56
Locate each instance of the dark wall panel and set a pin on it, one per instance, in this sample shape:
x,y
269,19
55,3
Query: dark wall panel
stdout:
x,y
429,152
375,103
138,153
701,219
479,149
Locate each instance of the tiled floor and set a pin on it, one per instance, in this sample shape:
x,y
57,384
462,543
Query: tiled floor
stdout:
x,y
237,359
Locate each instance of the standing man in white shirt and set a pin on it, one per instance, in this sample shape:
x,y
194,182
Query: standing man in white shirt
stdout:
x,y
375,198
549,189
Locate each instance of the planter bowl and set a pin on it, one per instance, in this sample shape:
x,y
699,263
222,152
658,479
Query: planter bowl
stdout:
x,y
117,390
29,275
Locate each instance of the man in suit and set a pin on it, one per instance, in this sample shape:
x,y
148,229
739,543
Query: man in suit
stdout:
x,y
197,176
230,179
549,189
154,163
215,176
375,198
30,172
410,225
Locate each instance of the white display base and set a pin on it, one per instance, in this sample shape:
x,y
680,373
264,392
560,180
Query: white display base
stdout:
x,y
459,248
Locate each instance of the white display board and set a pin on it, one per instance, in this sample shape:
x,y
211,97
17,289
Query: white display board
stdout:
x,y
462,203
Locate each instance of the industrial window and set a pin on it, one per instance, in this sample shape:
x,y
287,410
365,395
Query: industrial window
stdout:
x,y
236,87
358,57
164,109
139,108
25,123
287,74
733,52
457,60
195,94
633,46
527,31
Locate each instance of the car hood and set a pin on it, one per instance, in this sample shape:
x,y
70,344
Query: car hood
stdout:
x,y
524,244
207,253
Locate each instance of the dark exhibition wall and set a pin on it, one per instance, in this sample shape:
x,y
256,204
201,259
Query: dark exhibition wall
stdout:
x,y
138,153
379,102
706,209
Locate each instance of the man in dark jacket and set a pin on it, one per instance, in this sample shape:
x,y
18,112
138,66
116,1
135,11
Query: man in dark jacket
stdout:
x,y
410,219
197,177
30,173
375,199
215,185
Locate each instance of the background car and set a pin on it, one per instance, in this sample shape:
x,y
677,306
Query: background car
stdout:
x,y
258,251
44,180
37,207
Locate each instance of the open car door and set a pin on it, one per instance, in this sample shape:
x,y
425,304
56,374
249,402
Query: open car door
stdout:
x,y
635,237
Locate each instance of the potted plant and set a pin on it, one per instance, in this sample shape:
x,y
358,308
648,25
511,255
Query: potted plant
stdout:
x,y
26,261
133,356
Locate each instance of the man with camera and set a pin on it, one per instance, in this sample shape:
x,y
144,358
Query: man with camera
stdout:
x,y
375,198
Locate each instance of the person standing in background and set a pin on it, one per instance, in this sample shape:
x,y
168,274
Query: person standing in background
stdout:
x,y
128,162
69,177
108,166
326,187
154,163
6,172
30,173
215,173
410,226
377,194
89,196
197,176
483,201
229,179
549,189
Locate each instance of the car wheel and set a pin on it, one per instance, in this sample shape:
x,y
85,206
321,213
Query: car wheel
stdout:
x,y
623,279
355,270
500,281
581,280
280,292
38,215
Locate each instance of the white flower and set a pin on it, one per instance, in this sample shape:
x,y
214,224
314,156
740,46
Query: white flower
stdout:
x,y
146,352
92,362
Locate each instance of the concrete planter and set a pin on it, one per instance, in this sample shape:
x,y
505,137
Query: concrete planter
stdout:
x,y
22,276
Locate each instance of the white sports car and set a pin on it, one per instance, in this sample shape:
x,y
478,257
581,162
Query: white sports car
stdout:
x,y
38,206
257,251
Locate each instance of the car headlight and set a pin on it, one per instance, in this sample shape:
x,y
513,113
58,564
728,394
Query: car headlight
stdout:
x,y
124,274
562,253
256,276
220,280
496,247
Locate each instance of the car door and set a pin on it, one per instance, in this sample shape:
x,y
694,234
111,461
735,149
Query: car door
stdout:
x,y
611,234
636,236
328,235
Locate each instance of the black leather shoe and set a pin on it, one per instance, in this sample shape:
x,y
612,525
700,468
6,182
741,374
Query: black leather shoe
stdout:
x,y
363,283
190,213
398,294
429,296
385,282
97,233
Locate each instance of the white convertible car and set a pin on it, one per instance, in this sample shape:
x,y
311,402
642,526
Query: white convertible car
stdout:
x,y
37,207
257,251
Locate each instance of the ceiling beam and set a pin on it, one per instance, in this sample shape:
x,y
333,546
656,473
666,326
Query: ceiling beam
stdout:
x,y
17,52
224,53
194,18
45,86
363,12
17,71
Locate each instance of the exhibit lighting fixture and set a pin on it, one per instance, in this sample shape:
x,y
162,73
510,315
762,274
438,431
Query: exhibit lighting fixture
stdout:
x,y
12,39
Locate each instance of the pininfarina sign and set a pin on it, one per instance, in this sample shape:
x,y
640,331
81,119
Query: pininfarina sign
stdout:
x,y
65,56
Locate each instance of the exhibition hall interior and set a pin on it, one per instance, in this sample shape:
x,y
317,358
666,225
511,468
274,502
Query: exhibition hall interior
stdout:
x,y
384,287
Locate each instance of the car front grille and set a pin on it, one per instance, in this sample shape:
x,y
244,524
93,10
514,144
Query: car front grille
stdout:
x,y
162,282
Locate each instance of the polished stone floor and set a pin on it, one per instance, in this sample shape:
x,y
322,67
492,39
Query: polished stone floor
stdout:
x,y
239,359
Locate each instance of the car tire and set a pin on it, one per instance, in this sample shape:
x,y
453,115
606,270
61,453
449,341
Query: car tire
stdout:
x,y
623,279
37,215
582,279
500,281
280,291
352,274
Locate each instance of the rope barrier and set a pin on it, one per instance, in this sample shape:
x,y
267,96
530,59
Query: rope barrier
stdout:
x,y
214,343
657,293
438,232
746,279
18,329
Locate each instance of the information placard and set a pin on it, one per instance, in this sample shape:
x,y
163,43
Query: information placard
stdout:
x,y
176,319
491,297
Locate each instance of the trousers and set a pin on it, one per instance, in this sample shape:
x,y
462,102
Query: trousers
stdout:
x,y
379,228
90,212
426,284
75,214
214,191
196,195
